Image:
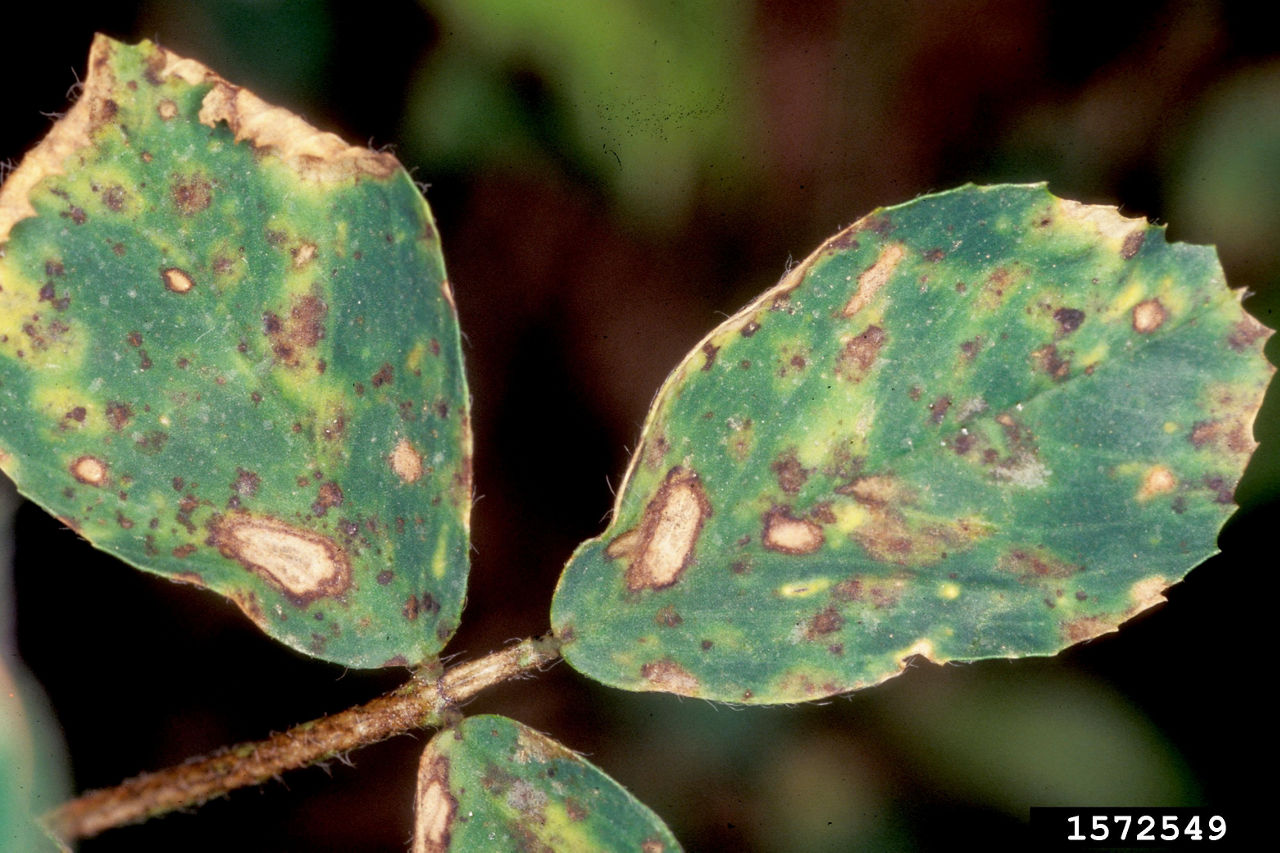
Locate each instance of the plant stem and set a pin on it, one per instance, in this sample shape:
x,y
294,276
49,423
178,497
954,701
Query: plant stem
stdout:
x,y
421,703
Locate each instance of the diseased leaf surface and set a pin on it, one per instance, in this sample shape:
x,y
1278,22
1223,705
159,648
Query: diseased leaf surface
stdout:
x,y
492,784
985,423
228,354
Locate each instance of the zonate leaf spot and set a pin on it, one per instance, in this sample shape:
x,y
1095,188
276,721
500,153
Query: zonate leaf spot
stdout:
x,y
195,287
985,423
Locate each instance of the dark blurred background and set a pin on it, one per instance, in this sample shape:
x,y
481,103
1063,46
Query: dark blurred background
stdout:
x,y
611,179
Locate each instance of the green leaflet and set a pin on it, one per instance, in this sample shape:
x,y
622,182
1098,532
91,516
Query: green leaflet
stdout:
x,y
32,771
33,765
985,423
229,355
492,784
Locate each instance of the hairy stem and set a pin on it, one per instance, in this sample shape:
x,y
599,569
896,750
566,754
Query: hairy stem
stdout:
x,y
421,703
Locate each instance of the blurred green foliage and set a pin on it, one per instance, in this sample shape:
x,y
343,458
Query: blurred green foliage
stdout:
x,y
641,97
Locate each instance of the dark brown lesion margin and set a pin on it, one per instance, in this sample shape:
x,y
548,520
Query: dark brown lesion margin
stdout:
x,y
662,546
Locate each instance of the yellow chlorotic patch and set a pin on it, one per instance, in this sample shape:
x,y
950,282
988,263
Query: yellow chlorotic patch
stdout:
x,y
1094,354
568,834
1172,296
33,332
922,647
1126,299
949,591
1170,427
849,517
1158,480
68,407
804,588
1121,234
417,355
440,560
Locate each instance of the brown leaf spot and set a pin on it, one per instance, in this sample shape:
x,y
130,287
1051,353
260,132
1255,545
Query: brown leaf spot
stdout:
x,y
90,470
330,495
1158,480
668,532
301,330
790,535
1132,243
893,535
177,280
77,414
668,617
190,194
114,198
859,354
825,622
709,351
874,277
1148,316
849,589
1031,564
406,462
790,473
167,109
1048,360
333,430
668,675
302,564
435,806
1087,627
750,329
1245,333
938,409
874,490
1068,320
119,415
384,376
246,483
655,450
